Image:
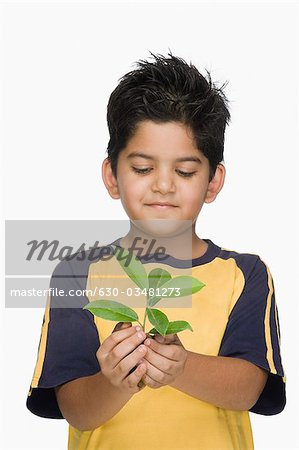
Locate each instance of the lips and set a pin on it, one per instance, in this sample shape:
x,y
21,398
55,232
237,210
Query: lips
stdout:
x,y
160,205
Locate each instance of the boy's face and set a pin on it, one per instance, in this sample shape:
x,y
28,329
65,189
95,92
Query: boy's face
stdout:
x,y
161,164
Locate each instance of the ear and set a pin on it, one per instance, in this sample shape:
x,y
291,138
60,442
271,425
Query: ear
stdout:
x,y
215,184
109,179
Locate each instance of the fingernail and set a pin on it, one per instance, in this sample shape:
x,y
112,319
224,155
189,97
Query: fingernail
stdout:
x,y
137,328
147,342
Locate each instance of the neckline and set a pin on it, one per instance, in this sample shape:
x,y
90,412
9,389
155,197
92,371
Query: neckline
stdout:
x,y
212,251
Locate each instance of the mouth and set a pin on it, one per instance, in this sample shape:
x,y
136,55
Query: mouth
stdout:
x,y
161,206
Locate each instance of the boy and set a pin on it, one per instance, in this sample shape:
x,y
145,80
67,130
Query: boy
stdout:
x,y
118,388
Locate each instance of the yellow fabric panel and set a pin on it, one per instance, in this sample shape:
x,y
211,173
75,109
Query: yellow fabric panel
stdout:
x,y
267,326
42,348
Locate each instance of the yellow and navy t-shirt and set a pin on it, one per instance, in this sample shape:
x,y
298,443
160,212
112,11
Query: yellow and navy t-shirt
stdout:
x,y
234,315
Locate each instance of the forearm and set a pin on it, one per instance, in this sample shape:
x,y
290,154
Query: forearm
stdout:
x,y
88,402
228,383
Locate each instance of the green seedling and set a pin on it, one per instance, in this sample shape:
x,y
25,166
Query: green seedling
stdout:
x,y
151,285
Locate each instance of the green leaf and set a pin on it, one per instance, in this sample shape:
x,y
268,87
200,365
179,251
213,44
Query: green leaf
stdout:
x,y
158,319
174,327
157,277
177,326
186,286
154,300
153,331
132,266
111,310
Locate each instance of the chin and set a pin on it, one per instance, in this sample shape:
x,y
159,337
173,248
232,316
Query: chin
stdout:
x,y
163,228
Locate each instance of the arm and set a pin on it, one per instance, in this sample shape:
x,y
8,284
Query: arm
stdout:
x,y
244,375
88,402
228,383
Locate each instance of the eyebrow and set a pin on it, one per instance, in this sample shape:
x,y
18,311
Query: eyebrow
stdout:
x,y
183,159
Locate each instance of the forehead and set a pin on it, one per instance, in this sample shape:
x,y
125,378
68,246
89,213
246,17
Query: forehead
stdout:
x,y
172,139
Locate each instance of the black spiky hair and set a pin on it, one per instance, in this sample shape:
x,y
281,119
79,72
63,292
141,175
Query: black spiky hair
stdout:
x,y
168,89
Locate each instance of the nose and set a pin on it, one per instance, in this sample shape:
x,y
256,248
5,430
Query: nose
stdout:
x,y
163,182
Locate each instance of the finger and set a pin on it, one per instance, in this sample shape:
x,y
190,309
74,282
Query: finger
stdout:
x,y
135,378
127,363
124,348
170,351
117,337
159,362
168,339
121,325
156,373
141,385
148,381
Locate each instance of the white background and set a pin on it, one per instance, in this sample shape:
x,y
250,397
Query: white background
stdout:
x,y
60,62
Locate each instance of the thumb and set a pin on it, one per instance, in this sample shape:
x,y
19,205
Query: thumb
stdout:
x,y
167,339
121,326
159,338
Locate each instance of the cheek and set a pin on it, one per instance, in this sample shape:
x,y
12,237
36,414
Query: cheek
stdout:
x,y
130,190
193,194
193,199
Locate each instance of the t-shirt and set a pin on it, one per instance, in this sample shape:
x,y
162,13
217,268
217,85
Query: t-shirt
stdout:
x,y
234,315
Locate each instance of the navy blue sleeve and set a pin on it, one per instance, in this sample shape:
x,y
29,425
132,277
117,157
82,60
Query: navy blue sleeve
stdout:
x,y
253,333
68,343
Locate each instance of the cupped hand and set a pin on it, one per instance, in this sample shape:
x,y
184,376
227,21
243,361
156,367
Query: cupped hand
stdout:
x,y
165,360
120,353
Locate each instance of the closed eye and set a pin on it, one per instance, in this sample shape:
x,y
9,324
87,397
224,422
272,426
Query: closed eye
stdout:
x,y
148,170
185,174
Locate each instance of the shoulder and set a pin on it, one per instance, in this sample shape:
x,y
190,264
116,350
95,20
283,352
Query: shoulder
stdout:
x,y
70,278
250,264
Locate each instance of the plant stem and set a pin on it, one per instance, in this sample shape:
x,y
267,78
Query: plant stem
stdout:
x,y
145,315
140,324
